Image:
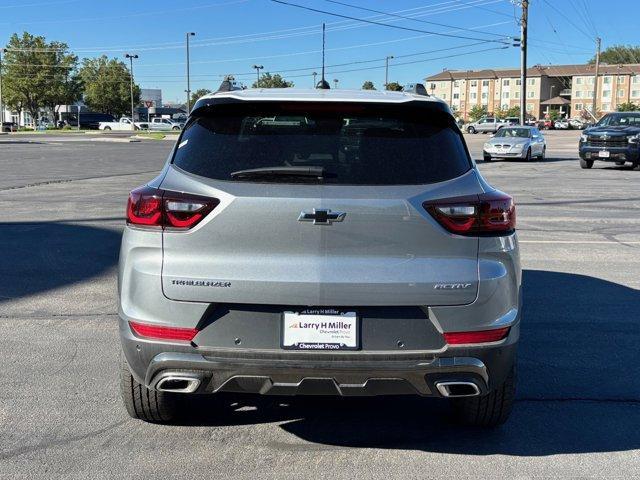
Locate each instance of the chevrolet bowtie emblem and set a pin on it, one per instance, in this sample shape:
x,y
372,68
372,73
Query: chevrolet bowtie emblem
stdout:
x,y
321,216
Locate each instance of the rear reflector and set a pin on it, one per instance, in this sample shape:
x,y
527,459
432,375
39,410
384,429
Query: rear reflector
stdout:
x,y
483,336
163,333
487,214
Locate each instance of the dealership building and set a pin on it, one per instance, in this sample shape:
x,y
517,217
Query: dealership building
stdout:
x,y
565,88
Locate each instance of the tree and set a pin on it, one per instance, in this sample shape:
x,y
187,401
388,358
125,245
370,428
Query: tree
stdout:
x,y
619,54
272,81
628,107
477,112
394,87
368,85
197,94
106,85
38,74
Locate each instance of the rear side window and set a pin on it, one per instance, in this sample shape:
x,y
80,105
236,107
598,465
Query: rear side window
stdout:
x,y
353,144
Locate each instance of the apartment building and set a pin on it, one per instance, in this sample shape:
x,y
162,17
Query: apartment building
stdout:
x,y
565,88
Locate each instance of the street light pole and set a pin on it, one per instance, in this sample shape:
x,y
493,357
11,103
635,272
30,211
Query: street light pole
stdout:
x,y
315,74
189,34
257,68
131,57
524,21
386,70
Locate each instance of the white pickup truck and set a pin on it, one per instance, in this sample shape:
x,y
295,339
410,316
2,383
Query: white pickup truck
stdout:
x,y
123,124
164,124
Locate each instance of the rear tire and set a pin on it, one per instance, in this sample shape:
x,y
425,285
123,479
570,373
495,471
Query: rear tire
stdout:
x,y
107,128
487,158
488,410
543,155
143,403
528,157
586,163
471,130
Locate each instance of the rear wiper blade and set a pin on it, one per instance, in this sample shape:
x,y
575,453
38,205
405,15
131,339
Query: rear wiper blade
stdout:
x,y
280,171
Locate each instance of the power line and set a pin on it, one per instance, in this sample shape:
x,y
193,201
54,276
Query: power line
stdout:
x,y
410,18
590,37
382,24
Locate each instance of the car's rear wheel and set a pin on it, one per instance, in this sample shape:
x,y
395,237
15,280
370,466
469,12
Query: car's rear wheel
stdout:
x,y
586,163
471,130
487,158
543,155
488,410
143,403
107,128
528,157
175,128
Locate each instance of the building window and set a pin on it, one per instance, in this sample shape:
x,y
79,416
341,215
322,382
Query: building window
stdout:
x,y
590,94
578,80
443,84
636,79
456,96
485,95
579,106
518,82
456,83
485,83
635,93
444,96
620,93
529,107
606,80
606,93
474,83
606,107
473,95
505,94
505,82
579,94
531,94
620,80
433,86
516,94
531,82
590,81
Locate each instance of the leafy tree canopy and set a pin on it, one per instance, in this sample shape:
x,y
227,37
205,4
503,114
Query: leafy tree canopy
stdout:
x,y
272,81
394,86
619,54
368,85
197,94
628,107
107,85
477,112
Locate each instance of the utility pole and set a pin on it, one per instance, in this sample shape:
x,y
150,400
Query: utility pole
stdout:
x,y
595,80
189,34
386,70
523,60
130,57
257,68
2,50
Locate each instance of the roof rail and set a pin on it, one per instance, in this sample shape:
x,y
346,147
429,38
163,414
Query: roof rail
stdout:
x,y
415,88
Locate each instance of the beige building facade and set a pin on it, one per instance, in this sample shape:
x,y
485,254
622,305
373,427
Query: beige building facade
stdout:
x,y
569,88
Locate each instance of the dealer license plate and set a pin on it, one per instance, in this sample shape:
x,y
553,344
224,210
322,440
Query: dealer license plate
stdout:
x,y
320,329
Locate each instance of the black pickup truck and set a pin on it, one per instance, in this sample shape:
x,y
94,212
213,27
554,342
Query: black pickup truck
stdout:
x,y
615,138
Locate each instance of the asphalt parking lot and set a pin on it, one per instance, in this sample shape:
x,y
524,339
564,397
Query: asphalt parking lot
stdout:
x,y
578,410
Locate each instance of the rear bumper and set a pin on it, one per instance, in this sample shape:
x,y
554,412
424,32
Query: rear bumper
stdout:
x,y
279,372
518,154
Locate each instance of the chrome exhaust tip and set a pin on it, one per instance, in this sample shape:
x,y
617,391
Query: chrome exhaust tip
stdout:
x,y
458,389
178,384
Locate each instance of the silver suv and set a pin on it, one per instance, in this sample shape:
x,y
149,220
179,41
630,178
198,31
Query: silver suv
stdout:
x,y
315,242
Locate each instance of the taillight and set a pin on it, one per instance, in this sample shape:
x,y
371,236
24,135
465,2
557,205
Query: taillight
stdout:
x,y
492,213
153,207
159,332
483,336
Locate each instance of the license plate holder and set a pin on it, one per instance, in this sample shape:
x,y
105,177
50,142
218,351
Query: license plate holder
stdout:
x,y
317,329
604,154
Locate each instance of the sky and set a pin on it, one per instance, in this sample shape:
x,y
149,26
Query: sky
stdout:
x,y
233,35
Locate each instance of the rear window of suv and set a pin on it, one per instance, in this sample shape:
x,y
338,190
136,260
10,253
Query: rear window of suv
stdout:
x,y
354,144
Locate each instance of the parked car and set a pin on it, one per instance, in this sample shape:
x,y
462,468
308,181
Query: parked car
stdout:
x,y
164,124
548,124
615,138
486,125
352,248
88,120
561,124
577,123
123,124
9,127
516,142
512,120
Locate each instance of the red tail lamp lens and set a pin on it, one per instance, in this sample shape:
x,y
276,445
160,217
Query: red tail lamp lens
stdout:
x,y
163,333
483,336
492,213
153,207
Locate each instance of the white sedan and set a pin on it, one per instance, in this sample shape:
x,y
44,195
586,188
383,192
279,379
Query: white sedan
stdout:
x,y
516,142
